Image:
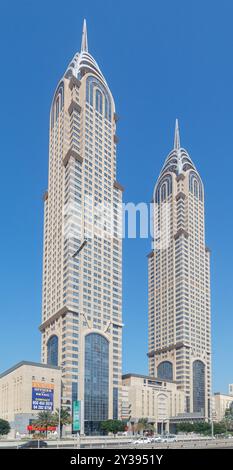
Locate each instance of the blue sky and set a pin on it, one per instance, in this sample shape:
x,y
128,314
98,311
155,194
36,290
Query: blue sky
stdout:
x,y
162,59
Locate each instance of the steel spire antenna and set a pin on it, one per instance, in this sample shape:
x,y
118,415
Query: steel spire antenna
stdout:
x,y
177,136
84,43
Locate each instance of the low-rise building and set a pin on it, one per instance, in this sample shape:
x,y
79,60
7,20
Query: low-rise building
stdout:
x,y
221,402
26,389
151,398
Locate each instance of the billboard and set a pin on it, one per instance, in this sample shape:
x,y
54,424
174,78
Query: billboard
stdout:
x,y
76,415
42,396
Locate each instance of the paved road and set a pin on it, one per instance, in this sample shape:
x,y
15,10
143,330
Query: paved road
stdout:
x,y
202,444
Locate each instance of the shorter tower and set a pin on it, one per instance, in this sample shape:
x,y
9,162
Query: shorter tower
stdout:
x,y
179,282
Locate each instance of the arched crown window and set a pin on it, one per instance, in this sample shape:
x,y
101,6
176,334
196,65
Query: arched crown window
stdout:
x,y
98,96
164,188
58,103
195,185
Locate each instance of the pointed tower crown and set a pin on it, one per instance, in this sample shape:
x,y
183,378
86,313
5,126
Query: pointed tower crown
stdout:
x,y
178,160
83,62
84,43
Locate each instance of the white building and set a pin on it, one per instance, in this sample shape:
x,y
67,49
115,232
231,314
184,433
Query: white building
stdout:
x,y
26,389
221,403
82,263
179,282
151,398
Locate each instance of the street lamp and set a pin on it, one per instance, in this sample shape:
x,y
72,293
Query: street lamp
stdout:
x,y
77,252
212,418
60,399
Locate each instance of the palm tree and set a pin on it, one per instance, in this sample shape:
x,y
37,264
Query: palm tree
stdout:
x,y
150,427
65,418
44,420
142,425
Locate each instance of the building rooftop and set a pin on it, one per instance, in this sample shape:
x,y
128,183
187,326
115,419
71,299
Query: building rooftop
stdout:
x,y
187,416
27,363
158,379
225,394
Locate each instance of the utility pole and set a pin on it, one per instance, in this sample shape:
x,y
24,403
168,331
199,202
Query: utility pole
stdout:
x,y
60,404
211,419
81,411
212,428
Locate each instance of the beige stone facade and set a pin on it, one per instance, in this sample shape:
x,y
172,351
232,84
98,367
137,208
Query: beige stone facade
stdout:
x,y
82,292
220,403
151,398
179,282
16,392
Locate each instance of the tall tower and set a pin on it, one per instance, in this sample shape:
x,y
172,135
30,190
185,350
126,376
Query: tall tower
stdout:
x,y
179,282
82,261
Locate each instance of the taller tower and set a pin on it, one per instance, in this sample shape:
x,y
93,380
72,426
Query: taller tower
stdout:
x,y
179,282
82,262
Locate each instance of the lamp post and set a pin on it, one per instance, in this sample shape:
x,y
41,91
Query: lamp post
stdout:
x,y
212,420
60,400
212,428
77,252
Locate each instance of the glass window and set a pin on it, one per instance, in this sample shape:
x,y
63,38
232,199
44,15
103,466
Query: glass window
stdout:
x,y
199,386
52,351
102,96
115,403
96,386
165,370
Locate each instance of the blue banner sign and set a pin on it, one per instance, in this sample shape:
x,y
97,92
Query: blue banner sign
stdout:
x,y
42,396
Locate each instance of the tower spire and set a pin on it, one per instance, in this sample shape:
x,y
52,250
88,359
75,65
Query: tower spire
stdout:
x,y
177,136
84,43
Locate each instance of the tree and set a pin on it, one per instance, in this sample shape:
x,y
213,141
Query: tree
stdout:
x,y
4,427
220,428
184,427
202,428
142,424
199,428
112,425
45,419
228,419
65,418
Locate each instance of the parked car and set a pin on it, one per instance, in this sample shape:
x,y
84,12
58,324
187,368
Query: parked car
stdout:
x,y
169,438
34,444
157,439
142,441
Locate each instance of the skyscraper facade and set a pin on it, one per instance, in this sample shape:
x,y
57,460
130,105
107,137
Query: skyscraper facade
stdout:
x,y
82,259
179,282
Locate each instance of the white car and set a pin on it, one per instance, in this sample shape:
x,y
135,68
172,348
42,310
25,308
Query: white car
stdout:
x,y
169,438
142,441
156,439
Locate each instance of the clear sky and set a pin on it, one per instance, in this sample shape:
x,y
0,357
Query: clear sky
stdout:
x,y
162,59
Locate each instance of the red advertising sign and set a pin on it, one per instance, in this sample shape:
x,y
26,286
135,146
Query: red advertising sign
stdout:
x,y
39,428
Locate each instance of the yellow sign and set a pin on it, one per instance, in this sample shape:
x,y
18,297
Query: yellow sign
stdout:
x,y
43,385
